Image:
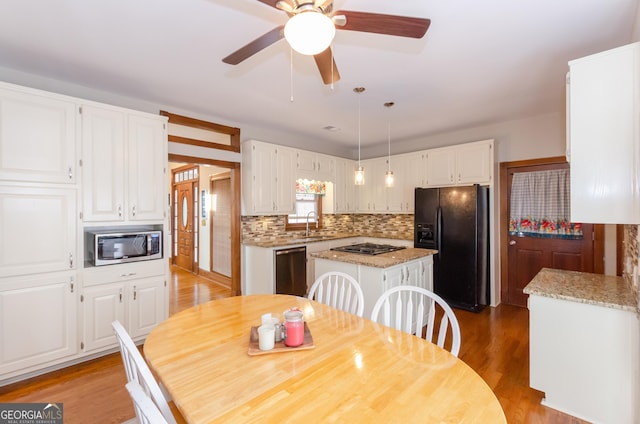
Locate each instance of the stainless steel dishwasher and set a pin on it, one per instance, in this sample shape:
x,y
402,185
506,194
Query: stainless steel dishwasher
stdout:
x,y
291,271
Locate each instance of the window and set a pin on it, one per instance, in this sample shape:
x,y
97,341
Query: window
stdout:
x,y
305,204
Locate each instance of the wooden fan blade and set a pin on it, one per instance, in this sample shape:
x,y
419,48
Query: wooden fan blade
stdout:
x,y
327,66
402,26
271,3
255,46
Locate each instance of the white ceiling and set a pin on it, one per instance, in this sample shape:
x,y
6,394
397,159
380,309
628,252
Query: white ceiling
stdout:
x,y
480,62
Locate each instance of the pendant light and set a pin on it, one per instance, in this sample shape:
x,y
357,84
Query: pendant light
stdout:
x,y
359,175
388,176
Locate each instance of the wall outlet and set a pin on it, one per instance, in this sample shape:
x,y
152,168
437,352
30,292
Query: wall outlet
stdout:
x,y
254,226
265,225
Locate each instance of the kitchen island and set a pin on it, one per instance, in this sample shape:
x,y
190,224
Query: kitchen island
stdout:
x,y
584,345
259,274
377,273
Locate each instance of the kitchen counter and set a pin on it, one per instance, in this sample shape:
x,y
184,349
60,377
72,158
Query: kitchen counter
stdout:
x,y
315,237
383,260
583,287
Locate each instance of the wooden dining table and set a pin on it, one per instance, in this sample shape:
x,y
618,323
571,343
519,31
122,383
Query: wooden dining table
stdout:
x,y
355,370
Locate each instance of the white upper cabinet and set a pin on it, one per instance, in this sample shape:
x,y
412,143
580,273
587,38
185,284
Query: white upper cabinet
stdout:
x,y
38,228
604,128
315,166
344,187
37,137
415,168
147,163
441,167
268,179
103,144
470,163
124,163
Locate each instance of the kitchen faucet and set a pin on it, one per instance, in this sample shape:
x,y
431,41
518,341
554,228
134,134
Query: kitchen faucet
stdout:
x,y
311,212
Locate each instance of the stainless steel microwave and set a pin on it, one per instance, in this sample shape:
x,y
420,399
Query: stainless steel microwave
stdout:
x,y
107,248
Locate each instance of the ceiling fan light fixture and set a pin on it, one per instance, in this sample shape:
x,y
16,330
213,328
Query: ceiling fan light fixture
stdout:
x,y
309,33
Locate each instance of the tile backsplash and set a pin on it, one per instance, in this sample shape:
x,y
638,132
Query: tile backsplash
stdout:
x,y
631,254
262,228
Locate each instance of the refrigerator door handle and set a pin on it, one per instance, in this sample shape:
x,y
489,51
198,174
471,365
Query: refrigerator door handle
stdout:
x,y
439,230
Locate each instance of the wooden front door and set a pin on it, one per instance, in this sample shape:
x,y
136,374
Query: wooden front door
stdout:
x,y
185,214
527,255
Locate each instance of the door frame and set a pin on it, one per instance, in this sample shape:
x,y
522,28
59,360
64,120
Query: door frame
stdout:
x,y
234,169
598,229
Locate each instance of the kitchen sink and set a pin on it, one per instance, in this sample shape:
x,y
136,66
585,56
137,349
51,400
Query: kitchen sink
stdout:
x,y
310,238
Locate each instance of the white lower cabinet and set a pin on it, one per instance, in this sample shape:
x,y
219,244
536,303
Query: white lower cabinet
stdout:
x,y
375,281
38,321
584,357
146,305
134,294
102,305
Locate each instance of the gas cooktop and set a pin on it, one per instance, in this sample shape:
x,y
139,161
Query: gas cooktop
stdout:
x,y
368,248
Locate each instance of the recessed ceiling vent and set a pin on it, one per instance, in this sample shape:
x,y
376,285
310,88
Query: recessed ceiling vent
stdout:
x,y
331,128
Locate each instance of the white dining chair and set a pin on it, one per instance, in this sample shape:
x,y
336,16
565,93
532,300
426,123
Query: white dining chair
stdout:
x,y
137,370
410,308
146,411
339,290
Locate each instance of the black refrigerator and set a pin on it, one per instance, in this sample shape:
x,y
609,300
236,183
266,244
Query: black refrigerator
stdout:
x,y
455,221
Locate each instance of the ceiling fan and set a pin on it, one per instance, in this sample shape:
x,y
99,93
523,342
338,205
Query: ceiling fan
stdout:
x,y
321,11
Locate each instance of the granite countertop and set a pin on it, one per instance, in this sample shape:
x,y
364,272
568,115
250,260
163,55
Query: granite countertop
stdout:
x,y
316,237
584,287
383,260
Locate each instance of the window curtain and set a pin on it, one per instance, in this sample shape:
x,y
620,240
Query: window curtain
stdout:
x,y
311,187
540,205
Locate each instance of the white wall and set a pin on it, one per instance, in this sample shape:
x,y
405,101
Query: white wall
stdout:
x,y
636,27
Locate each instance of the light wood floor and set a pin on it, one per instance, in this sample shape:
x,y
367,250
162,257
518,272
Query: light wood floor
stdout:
x,y
495,343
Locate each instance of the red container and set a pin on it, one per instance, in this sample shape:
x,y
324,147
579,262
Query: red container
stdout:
x,y
294,328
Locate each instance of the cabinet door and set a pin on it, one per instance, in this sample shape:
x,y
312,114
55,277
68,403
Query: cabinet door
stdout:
x,y
344,187
474,163
263,182
440,167
285,201
103,145
605,176
102,305
325,168
146,166
37,138
146,305
38,229
395,195
305,164
375,177
415,176
38,320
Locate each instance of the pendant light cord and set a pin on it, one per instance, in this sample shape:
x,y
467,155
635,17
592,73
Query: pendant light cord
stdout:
x,y
358,130
389,138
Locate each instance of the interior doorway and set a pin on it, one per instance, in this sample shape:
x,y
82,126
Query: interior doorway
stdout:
x,y
522,255
197,142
